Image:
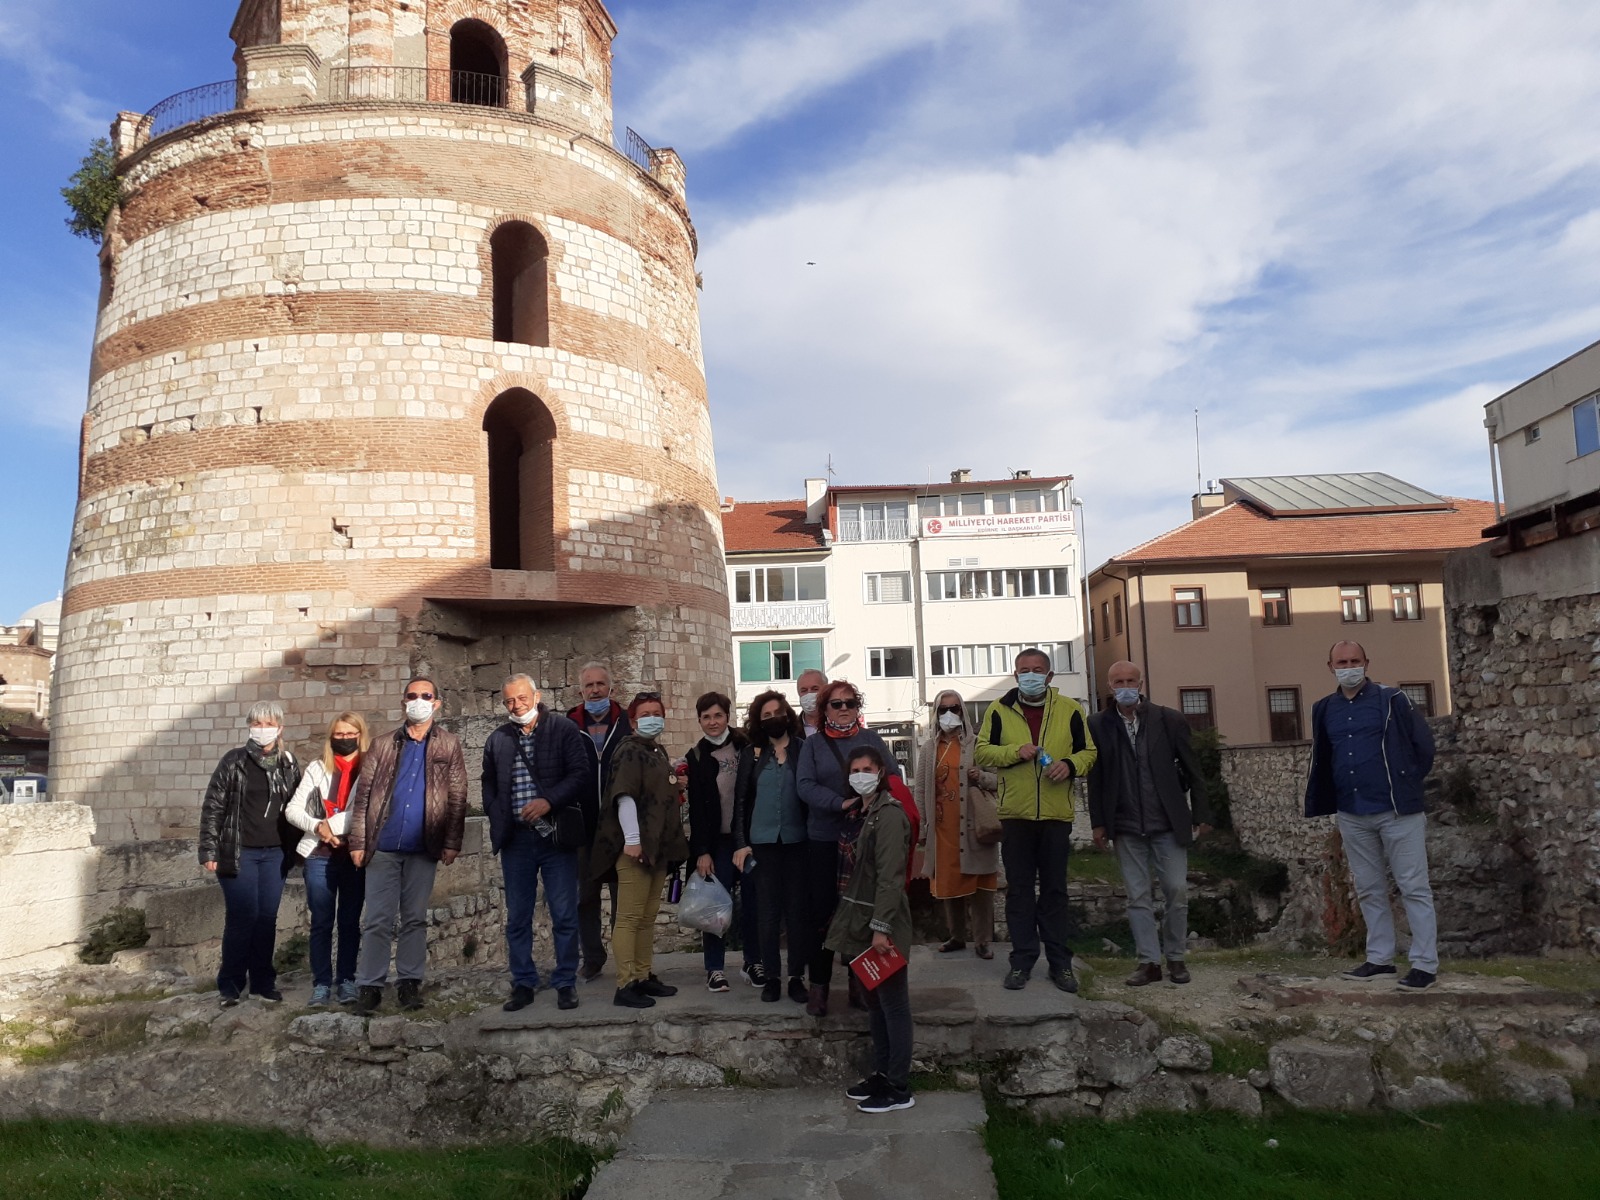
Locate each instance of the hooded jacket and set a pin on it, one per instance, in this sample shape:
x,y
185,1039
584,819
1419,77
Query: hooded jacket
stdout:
x,y
1026,793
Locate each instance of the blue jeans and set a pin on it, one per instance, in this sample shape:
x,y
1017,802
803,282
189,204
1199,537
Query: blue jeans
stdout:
x,y
523,859
713,948
335,889
250,926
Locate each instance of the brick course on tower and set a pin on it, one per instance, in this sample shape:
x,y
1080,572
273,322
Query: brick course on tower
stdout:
x,y
397,369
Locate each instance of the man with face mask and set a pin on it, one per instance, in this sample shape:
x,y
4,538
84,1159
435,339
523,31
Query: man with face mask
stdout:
x,y
1370,753
535,767
605,724
407,816
808,686
1038,741
1147,796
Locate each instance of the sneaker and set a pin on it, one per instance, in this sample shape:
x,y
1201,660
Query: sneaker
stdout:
x,y
566,998
270,996
716,981
321,996
410,994
652,986
1176,971
230,999
755,975
1417,981
771,991
632,997
867,1088
347,992
368,1000
521,997
797,989
1064,979
1367,971
1015,980
887,1100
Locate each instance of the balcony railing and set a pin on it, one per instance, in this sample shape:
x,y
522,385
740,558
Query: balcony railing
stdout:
x,y
190,106
636,148
805,614
893,530
417,85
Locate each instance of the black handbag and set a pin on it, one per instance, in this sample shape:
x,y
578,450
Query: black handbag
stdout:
x,y
571,831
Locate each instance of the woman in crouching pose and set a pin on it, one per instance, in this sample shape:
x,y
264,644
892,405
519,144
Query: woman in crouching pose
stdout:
x,y
875,913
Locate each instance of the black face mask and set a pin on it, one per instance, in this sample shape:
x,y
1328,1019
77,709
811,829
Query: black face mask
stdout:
x,y
344,747
774,727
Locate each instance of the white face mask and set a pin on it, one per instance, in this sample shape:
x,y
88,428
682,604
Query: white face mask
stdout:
x,y
864,782
950,722
808,703
527,718
1351,677
418,711
264,737
719,739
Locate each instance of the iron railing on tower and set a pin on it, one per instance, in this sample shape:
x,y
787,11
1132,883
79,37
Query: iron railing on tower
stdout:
x,y
187,107
636,148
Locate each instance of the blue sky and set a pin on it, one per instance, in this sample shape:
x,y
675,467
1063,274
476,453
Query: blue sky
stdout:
x,y
1044,232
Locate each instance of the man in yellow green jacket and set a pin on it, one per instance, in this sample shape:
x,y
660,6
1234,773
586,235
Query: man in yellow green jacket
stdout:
x,y
1038,740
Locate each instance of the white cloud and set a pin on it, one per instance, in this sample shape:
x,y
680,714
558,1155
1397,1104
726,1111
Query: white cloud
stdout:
x,y
47,76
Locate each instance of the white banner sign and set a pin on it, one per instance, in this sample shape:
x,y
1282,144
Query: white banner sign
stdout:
x,y
1040,522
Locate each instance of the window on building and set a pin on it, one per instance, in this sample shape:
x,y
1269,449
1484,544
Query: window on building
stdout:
x,y
891,662
1105,620
1116,612
875,521
770,662
888,587
995,659
1283,713
779,585
1353,603
967,504
477,65
1017,583
1421,697
521,437
1406,599
520,262
1274,606
1531,434
1189,608
1195,704
1586,425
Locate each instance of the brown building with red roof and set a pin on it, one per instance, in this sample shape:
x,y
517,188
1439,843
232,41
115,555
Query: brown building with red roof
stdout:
x,y
1231,615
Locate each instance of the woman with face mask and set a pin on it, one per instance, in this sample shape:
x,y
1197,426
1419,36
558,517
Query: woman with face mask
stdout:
x,y
875,913
248,845
335,886
832,808
960,871
769,827
641,835
710,769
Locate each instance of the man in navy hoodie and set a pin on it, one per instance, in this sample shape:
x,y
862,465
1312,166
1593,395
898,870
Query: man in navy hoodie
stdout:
x,y
1370,752
605,723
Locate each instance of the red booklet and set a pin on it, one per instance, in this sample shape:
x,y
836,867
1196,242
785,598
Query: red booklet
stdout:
x,y
872,967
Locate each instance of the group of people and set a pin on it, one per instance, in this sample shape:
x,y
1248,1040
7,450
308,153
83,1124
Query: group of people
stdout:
x,y
802,810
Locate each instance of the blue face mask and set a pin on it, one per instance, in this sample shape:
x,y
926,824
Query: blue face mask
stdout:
x,y
1032,684
1127,697
598,708
650,727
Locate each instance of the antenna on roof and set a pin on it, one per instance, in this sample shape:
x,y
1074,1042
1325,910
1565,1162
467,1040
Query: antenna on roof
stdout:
x,y
1197,485
831,471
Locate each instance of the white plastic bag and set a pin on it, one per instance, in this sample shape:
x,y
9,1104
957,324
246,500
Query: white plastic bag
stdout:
x,y
705,906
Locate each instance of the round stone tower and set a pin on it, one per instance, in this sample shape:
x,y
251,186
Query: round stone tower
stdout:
x,y
397,369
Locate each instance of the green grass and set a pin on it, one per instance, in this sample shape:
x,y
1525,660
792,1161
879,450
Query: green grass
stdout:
x,y
1094,866
1458,1153
1554,973
45,1159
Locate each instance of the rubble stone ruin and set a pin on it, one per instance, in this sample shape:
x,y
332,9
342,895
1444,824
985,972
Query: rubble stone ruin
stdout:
x,y
397,369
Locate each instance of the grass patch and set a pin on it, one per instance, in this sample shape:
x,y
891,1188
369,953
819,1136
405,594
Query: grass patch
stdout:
x,y
1237,1056
122,928
1534,1055
1554,973
46,1159
91,1039
1477,1150
77,1001
1094,866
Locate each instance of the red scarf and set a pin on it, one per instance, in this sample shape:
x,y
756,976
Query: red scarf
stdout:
x,y
850,731
347,769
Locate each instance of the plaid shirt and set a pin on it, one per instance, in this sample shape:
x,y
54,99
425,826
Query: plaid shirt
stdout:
x,y
523,789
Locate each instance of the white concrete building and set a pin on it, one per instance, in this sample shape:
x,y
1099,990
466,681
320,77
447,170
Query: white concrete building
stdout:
x,y
906,590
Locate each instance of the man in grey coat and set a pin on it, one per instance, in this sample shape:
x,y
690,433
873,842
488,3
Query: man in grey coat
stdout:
x,y
1147,797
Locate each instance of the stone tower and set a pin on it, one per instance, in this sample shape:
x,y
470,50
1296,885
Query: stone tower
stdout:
x,y
397,369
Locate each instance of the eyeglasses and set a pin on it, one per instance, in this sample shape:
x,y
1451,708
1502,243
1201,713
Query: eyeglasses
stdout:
x,y
844,705
950,708
419,695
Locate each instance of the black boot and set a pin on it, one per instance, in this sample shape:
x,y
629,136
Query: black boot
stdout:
x,y
411,994
368,1000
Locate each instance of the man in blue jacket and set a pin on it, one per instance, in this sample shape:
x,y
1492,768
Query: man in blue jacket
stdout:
x,y
535,769
1370,752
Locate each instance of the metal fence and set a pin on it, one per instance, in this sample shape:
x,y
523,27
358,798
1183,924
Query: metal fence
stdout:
x,y
377,83
636,148
186,108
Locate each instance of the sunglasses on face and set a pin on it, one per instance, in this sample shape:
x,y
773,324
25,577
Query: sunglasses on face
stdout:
x,y
656,696
419,695
844,705
950,708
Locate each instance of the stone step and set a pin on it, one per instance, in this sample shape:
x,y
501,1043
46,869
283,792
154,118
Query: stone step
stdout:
x,y
800,1144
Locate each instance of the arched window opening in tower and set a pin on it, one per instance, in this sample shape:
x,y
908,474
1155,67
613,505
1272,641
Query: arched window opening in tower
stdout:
x,y
521,436
520,261
477,65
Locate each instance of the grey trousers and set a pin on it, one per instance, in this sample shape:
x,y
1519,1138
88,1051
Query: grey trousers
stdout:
x,y
1383,844
398,887
1142,860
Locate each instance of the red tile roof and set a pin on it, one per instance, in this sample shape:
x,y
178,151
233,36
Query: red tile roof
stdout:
x,y
769,525
1238,531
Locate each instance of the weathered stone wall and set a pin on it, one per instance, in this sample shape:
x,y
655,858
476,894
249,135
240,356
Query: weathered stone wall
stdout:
x,y
47,883
1525,657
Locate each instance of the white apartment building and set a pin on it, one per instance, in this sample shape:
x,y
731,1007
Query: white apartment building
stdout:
x,y
906,590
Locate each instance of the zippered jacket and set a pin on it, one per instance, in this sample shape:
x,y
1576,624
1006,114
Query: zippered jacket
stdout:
x,y
562,760
619,727
219,811
1407,755
875,900
444,818
1026,793
705,796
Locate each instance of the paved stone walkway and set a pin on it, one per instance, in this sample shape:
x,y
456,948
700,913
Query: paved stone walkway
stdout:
x,y
800,1144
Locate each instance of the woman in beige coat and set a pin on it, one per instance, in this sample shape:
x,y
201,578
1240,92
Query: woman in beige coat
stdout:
x,y
961,871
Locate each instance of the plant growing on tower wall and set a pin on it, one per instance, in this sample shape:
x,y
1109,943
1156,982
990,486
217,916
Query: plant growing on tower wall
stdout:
x,y
93,191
